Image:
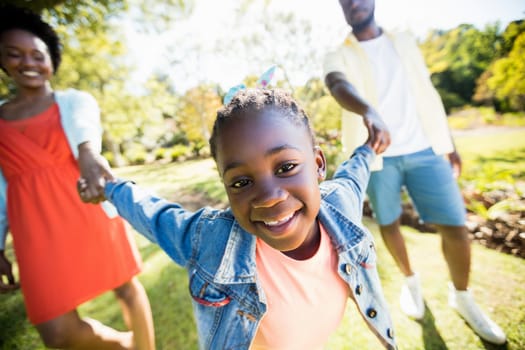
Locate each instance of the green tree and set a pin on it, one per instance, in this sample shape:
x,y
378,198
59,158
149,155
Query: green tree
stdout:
x,y
197,112
94,60
507,81
456,58
500,83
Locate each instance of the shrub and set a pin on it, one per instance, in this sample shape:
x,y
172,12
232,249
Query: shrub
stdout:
x,y
160,153
109,157
179,152
135,154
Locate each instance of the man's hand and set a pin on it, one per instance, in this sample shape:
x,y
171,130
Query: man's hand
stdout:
x,y
7,271
455,162
378,134
94,172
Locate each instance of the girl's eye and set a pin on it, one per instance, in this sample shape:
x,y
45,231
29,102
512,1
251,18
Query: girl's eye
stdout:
x,y
240,183
286,168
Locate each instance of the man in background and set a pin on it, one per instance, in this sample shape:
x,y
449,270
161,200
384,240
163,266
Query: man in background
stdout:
x,y
381,75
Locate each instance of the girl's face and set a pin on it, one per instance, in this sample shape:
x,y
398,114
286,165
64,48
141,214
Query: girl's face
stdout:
x,y
271,171
25,58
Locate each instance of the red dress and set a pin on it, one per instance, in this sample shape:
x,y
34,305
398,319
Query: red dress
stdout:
x,y
67,251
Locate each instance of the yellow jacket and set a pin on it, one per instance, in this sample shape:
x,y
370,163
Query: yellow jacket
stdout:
x,y
351,60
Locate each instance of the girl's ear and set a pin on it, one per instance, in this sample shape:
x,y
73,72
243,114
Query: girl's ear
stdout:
x,y
320,161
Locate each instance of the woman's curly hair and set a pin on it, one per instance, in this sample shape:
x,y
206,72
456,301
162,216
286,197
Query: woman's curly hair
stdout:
x,y
12,17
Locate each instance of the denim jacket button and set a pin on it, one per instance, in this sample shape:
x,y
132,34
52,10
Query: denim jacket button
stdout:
x,y
348,268
371,312
358,289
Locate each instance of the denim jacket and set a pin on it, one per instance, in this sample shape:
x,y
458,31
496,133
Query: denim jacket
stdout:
x,y
219,256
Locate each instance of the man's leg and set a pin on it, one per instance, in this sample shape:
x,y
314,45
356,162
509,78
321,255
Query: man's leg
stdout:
x,y
438,200
411,297
395,244
384,192
455,244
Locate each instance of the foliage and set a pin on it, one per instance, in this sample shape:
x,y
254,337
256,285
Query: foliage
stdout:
x,y
457,57
135,154
199,107
491,163
94,60
474,117
507,80
501,84
157,116
179,152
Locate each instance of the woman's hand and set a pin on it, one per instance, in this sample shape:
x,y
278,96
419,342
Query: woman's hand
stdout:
x,y
94,172
7,271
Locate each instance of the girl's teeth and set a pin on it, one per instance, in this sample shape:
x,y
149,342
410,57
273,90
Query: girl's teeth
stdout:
x,y
278,222
30,74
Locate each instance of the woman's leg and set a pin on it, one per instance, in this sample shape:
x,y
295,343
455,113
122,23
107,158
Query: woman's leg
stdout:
x,y
137,313
69,331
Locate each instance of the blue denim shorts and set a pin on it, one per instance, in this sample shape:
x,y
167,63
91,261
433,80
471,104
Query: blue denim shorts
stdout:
x,y
430,183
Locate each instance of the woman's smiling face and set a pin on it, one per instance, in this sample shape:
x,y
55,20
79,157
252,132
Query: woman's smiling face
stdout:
x,y
271,171
25,58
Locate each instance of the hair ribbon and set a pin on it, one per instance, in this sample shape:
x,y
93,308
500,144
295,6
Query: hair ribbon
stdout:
x,y
263,81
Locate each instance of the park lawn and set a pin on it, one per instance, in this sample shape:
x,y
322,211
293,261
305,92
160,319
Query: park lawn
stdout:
x,y
498,281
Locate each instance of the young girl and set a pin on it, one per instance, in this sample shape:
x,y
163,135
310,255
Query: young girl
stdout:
x,y
67,252
275,270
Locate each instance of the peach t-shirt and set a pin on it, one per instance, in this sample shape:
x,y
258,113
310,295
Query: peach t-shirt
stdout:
x,y
306,299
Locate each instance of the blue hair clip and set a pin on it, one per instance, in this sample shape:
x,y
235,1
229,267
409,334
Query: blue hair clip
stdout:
x,y
263,81
233,90
266,77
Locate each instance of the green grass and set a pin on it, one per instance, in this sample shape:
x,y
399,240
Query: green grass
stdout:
x,y
497,280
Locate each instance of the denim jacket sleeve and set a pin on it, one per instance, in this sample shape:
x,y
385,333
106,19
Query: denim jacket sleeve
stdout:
x,y
162,222
354,173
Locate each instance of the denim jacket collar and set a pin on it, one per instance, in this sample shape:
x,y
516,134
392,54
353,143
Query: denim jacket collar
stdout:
x,y
238,262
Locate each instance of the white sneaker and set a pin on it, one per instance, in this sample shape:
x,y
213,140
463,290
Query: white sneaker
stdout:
x,y
467,308
411,298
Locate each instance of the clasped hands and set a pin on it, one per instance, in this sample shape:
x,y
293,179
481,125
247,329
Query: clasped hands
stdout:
x,y
378,134
94,173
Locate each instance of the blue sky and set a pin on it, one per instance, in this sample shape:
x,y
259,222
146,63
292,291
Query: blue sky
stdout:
x,y
211,20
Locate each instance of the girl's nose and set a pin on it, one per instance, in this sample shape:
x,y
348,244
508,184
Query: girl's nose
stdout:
x,y
268,195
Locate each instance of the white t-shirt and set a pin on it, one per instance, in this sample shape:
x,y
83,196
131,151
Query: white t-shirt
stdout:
x,y
396,102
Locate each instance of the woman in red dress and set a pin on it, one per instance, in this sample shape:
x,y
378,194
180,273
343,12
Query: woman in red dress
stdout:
x,y
68,252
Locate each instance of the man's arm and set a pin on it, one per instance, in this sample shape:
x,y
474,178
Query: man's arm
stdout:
x,y
347,96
